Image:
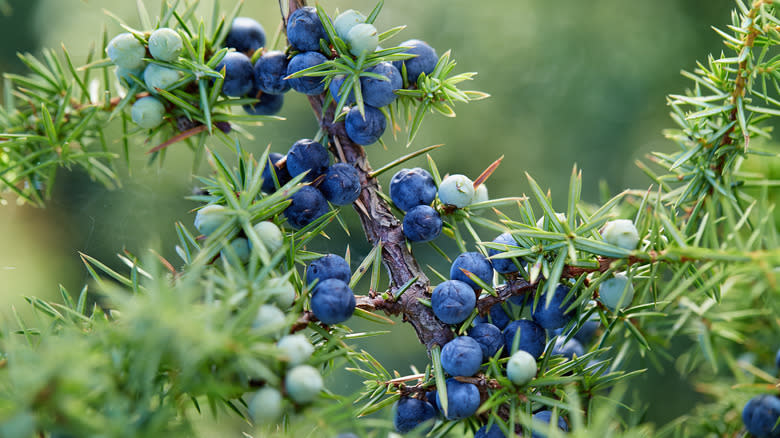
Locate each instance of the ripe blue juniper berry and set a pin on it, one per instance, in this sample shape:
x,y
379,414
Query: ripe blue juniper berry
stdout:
x,y
424,62
282,175
496,316
493,432
307,204
365,130
332,301
267,104
546,416
378,92
305,30
568,349
341,185
761,414
507,265
554,316
422,224
462,400
461,356
326,267
412,187
335,90
489,337
245,35
309,85
307,155
453,301
475,263
412,412
239,76
271,71
532,337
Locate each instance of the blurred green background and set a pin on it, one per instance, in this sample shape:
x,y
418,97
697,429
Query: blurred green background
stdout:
x,y
571,82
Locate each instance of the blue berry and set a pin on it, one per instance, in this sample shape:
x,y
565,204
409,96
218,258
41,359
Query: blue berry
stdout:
x,y
475,263
327,267
777,359
505,266
332,301
497,316
422,224
307,205
456,190
424,62
305,30
269,186
760,415
365,131
554,316
267,104
462,400
245,35
239,75
493,432
546,416
412,187
309,85
378,92
412,412
453,301
307,155
147,112
362,38
165,44
532,337
126,52
270,72
341,185
157,76
430,397
335,90
489,337
568,349
587,331
461,356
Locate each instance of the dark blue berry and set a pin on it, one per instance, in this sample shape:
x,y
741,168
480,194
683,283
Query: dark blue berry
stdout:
x,y
493,432
555,315
475,263
245,35
307,205
760,415
327,267
546,416
341,185
365,131
305,30
270,73
412,187
453,301
239,76
422,224
410,413
497,316
267,104
307,155
568,349
462,400
489,337
269,186
378,92
335,90
461,356
332,301
504,266
430,397
532,337
424,62
310,85
587,331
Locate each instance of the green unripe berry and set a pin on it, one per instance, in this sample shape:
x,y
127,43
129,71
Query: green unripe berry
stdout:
x,y
617,292
147,112
269,320
540,222
362,38
165,44
123,76
346,21
622,233
266,405
480,194
239,251
270,234
457,190
281,292
303,383
210,217
521,367
157,76
296,348
126,52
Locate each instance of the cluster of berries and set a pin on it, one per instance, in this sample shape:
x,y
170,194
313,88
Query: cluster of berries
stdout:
x,y
413,191
761,414
338,183
332,300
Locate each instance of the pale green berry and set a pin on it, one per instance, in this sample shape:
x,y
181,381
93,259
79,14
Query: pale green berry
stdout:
x,y
617,292
622,233
147,112
123,75
457,190
266,405
165,44
239,251
480,194
296,348
126,52
521,367
561,218
362,38
210,217
270,234
269,320
303,383
281,292
346,21
157,76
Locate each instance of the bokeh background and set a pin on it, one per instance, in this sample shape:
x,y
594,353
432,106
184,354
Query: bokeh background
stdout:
x,y
571,82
